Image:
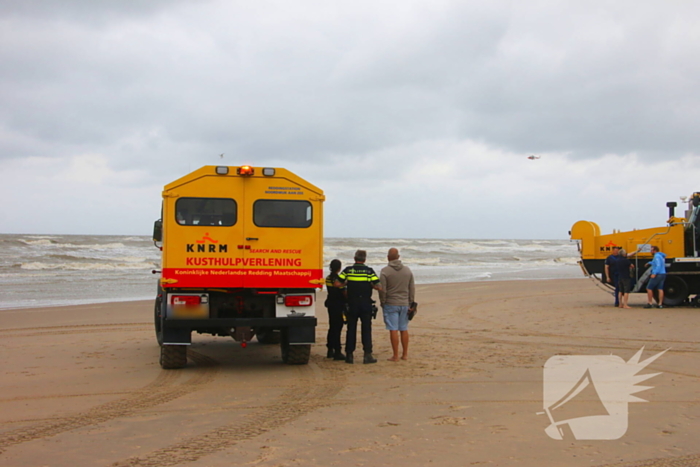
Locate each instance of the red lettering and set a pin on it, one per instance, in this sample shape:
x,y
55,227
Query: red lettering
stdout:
x,y
249,262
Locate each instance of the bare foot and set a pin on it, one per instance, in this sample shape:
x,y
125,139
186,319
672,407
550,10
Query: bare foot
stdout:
x,y
404,357
627,307
393,359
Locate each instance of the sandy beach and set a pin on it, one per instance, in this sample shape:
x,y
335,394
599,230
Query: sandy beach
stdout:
x,y
81,385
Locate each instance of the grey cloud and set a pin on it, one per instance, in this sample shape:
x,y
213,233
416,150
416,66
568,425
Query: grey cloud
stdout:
x,y
160,84
96,13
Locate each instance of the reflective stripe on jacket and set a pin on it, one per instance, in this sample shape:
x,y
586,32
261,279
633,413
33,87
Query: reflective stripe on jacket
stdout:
x,y
359,280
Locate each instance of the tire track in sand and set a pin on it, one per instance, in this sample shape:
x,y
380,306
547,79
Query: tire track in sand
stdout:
x,y
692,460
38,331
318,384
161,390
70,326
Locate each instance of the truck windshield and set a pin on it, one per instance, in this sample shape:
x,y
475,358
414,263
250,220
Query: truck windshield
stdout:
x,y
206,211
282,213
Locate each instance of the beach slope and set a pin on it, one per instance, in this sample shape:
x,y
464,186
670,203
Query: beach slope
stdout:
x,y
81,385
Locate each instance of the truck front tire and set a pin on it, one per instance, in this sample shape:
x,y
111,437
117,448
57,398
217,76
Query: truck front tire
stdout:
x,y
158,321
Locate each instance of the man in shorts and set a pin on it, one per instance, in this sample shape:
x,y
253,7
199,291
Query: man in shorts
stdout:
x,y
658,277
396,295
624,281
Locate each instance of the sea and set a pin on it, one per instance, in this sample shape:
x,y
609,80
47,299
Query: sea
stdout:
x,y
57,270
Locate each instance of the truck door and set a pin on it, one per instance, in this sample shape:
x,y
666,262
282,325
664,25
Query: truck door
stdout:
x,y
203,232
283,232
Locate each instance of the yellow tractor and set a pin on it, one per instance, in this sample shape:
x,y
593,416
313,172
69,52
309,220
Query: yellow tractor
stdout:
x,y
679,239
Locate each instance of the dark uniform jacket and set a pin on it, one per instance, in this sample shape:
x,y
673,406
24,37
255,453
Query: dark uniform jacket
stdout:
x,y
336,295
359,280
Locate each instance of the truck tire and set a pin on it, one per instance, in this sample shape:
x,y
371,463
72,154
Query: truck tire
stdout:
x,y
268,336
675,290
285,352
297,354
158,321
173,357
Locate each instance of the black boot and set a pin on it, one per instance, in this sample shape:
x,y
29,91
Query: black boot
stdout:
x,y
330,353
338,355
348,358
369,358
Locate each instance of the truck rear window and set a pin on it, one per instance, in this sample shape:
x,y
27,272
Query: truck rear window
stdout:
x,y
282,213
206,211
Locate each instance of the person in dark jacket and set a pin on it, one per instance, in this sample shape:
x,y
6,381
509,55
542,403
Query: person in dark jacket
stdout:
x,y
624,280
360,281
611,272
335,303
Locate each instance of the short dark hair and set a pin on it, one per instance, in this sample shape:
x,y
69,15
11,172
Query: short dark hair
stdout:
x,y
336,265
654,248
360,256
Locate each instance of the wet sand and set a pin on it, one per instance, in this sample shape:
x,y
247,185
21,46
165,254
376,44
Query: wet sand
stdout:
x,y
81,385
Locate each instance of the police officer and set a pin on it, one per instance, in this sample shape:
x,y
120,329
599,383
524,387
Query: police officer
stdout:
x,y
360,280
335,303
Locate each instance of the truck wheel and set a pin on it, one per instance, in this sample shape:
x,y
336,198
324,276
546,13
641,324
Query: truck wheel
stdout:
x,y
285,352
284,345
268,336
173,357
158,321
675,290
298,354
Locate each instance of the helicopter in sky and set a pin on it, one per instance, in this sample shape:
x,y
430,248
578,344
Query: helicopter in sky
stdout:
x,y
533,157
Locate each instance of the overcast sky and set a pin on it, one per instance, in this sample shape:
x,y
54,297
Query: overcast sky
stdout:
x,y
415,117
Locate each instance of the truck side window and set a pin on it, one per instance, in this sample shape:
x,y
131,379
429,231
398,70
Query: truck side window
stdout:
x,y
282,213
206,211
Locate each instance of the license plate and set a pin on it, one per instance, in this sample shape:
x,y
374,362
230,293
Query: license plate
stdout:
x,y
189,312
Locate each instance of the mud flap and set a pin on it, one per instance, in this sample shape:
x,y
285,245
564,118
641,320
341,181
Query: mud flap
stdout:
x,y
301,334
177,336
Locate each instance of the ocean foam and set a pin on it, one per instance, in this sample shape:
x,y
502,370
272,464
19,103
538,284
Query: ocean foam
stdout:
x,y
90,268
39,266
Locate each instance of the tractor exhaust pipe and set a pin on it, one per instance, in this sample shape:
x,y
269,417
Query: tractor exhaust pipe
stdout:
x,y
671,205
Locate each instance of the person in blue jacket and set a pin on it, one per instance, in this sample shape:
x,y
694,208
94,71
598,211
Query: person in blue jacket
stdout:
x,y
658,277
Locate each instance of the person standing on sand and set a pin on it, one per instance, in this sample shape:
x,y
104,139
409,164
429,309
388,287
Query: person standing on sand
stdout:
x,y
335,303
396,296
611,272
624,282
360,281
658,277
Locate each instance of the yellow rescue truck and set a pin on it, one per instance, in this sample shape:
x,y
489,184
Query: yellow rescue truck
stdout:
x,y
679,239
242,256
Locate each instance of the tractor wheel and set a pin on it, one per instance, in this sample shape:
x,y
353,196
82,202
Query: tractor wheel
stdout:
x,y
675,290
173,357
